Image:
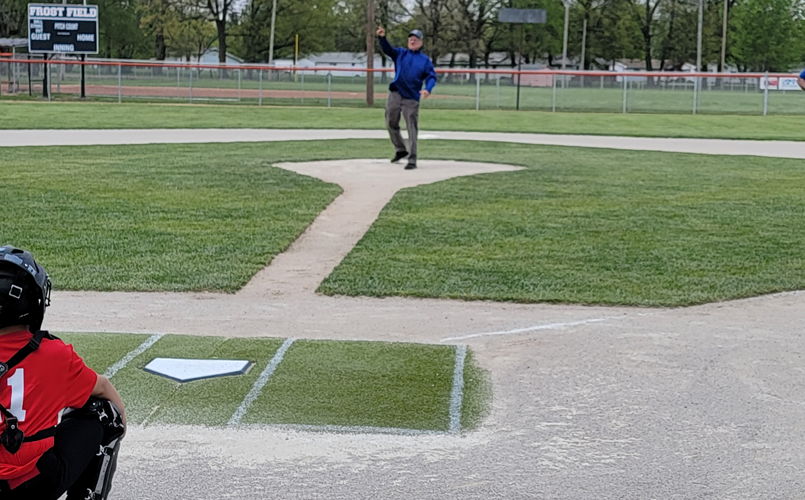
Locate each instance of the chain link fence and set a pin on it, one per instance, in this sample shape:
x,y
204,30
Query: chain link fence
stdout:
x,y
543,90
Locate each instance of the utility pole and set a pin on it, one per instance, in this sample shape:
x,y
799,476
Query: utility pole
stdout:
x,y
699,37
724,39
564,44
583,44
271,37
583,48
370,53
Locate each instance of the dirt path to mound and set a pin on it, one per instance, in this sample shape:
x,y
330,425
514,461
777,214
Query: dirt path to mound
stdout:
x,y
368,186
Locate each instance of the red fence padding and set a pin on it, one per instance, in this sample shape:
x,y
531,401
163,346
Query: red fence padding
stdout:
x,y
265,67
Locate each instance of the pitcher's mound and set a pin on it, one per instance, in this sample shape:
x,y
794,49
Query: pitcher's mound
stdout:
x,y
360,173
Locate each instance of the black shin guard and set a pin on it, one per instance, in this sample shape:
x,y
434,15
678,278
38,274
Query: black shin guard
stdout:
x,y
96,480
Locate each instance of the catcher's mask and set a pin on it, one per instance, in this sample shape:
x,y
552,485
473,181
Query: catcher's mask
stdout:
x,y
24,289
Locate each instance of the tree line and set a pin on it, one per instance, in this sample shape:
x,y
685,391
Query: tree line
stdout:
x,y
762,35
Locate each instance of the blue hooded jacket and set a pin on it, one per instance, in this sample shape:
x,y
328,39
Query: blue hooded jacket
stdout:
x,y
412,68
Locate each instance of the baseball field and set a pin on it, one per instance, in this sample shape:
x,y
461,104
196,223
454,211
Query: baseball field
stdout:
x,y
590,323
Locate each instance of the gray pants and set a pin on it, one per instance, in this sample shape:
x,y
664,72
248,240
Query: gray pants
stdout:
x,y
409,108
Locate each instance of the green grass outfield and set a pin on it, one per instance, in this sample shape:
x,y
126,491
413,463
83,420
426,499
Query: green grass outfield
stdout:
x,y
599,95
318,383
577,225
72,115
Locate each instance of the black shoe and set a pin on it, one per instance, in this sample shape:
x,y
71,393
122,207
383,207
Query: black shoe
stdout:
x,y
399,155
411,165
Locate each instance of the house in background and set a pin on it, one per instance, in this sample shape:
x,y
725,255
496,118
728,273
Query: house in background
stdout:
x,y
355,61
208,57
211,57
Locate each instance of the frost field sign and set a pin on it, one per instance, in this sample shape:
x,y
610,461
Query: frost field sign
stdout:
x,y
62,29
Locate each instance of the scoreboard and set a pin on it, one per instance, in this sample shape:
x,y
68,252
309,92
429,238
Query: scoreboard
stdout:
x,y
62,29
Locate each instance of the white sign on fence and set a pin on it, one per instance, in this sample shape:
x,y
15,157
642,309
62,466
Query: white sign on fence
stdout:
x,y
775,83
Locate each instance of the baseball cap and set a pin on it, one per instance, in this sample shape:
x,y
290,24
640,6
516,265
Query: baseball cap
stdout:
x,y
417,34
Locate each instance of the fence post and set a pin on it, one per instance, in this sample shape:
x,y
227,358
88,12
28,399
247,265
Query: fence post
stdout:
x,y
30,83
624,93
329,87
239,78
303,88
695,92
553,84
58,82
766,95
497,84
50,79
625,90
477,93
260,79
119,83
191,85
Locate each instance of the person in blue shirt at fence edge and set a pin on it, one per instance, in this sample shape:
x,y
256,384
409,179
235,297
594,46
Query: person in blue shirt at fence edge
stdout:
x,y
412,68
801,80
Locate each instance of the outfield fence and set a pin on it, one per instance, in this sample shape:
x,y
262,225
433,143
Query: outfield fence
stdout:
x,y
543,90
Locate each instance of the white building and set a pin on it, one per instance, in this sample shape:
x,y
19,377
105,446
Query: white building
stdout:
x,y
346,60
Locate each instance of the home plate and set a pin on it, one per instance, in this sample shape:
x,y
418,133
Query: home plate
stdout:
x,y
187,370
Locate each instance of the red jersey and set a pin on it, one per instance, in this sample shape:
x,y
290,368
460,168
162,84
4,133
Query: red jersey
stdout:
x,y
47,381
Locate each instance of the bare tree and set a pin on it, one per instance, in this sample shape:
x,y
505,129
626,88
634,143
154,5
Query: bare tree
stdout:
x,y
217,11
433,17
474,22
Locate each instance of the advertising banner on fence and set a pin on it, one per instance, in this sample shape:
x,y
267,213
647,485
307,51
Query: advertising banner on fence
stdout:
x,y
775,83
62,28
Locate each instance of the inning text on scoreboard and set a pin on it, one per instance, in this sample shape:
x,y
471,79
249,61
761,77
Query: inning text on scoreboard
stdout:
x,y
62,28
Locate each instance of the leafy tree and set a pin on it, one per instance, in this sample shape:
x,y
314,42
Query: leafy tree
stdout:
x,y
679,21
13,18
188,38
154,15
119,30
768,34
644,12
312,20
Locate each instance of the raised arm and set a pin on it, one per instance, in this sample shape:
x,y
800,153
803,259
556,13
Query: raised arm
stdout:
x,y
385,45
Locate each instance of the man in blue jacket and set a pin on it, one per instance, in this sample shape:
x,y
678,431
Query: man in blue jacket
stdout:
x,y
412,68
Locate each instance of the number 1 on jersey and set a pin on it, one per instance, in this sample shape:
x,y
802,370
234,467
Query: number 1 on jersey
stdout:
x,y
17,384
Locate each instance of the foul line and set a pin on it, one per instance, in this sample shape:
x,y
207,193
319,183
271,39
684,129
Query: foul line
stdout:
x,y
110,372
550,326
257,388
346,429
457,394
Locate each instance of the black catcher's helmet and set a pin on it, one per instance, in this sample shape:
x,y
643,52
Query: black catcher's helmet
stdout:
x,y
24,289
